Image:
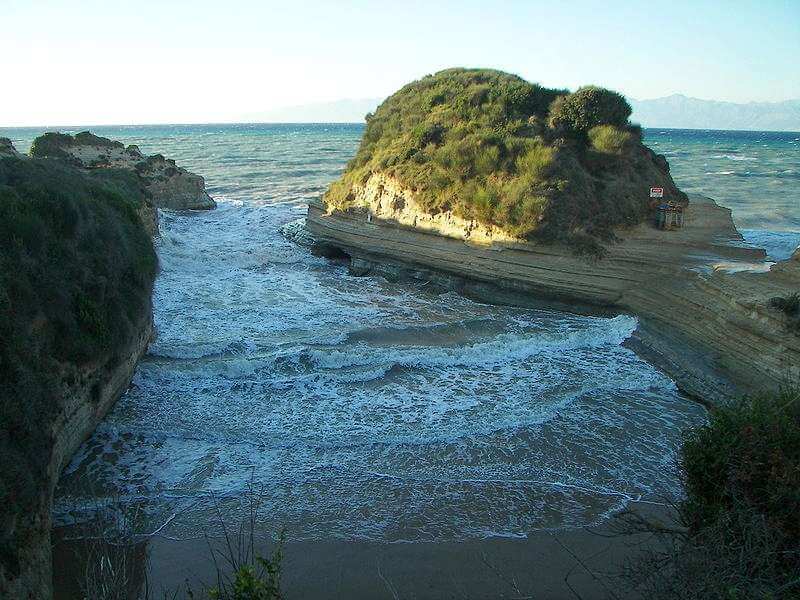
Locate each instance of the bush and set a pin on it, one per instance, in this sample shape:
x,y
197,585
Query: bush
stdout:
x,y
740,522
790,307
52,145
589,107
76,274
478,142
609,139
748,456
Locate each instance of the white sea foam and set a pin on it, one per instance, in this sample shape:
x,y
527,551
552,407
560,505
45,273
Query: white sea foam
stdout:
x,y
736,157
365,409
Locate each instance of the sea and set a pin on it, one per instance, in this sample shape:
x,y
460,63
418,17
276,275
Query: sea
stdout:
x,y
362,409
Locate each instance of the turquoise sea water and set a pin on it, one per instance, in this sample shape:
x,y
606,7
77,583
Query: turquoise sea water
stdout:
x,y
372,410
756,174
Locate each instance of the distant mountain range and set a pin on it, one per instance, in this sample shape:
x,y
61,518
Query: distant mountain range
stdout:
x,y
676,111
681,112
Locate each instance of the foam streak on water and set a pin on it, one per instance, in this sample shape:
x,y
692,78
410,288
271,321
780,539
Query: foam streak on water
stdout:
x,y
366,409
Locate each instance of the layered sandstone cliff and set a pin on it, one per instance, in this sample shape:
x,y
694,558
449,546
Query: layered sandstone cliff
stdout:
x,y
83,404
711,328
169,185
76,277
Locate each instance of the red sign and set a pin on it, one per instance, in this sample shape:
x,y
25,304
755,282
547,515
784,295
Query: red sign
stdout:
x,y
656,192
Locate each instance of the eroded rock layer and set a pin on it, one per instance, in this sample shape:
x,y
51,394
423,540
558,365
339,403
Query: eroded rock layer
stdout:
x,y
169,185
83,405
701,296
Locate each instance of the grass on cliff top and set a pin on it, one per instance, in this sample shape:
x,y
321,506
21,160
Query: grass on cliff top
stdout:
x,y
537,162
76,274
790,307
52,144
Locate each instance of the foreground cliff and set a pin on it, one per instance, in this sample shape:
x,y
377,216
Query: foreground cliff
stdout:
x,y
169,185
76,276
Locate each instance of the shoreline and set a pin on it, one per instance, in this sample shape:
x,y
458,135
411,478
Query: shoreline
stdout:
x,y
543,564
710,330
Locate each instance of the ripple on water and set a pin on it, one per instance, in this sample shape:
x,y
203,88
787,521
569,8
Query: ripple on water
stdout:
x,y
364,409
368,409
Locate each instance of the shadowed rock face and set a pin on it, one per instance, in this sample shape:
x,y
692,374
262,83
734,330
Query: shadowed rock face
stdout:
x,y
7,149
170,186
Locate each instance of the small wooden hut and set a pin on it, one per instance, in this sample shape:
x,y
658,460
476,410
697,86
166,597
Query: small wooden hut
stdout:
x,y
669,215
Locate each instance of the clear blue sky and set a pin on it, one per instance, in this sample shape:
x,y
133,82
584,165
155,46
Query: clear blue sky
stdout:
x,y
143,61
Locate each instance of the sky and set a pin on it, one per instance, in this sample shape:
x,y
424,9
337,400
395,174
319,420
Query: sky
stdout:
x,y
90,62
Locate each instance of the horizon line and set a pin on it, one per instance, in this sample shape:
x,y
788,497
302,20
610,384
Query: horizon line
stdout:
x,y
56,128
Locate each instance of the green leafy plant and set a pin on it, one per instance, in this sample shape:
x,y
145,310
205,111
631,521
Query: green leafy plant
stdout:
x,y
589,107
739,534
610,139
790,307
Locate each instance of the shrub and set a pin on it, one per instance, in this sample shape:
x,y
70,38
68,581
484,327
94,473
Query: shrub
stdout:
x,y
51,145
609,139
790,307
87,138
748,455
740,534
742,478
589,107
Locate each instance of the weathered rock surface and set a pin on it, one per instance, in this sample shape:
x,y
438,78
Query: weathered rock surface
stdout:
x,y
82,406
170,186
147,213
711,329
7,149
383,197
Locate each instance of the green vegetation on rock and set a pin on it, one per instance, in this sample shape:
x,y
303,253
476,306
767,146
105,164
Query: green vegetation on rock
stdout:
x,y
52,144
790,307
742,508
589,107
76,275
539,163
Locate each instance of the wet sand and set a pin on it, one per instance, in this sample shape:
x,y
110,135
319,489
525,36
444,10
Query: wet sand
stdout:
x,y
545,565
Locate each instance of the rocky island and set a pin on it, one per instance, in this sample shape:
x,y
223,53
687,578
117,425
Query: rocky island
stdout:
x,y
512,193
76,277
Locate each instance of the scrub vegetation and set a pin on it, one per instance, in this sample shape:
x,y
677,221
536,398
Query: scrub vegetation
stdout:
x,y
51,145
741,516
790,307
539,163
76,275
